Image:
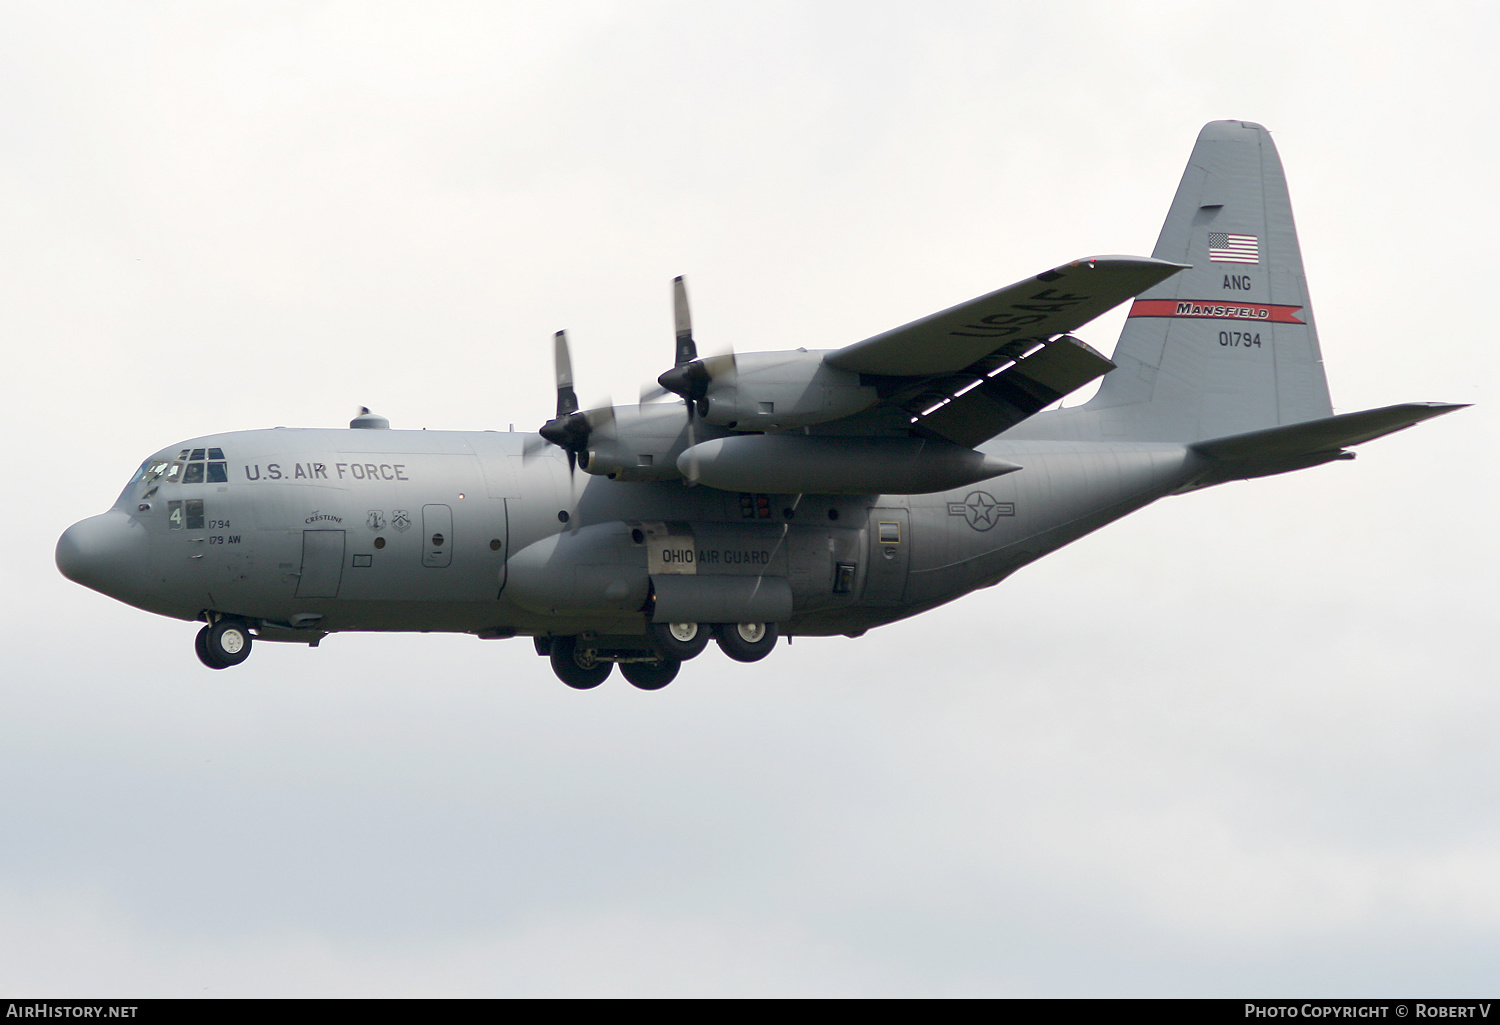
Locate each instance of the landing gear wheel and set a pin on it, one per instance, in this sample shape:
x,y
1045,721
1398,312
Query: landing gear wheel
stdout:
x,y
680,641
577,667
746,642
651,675
200,645
227,643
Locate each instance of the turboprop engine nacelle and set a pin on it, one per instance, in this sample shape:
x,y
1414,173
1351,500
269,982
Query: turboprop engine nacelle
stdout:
x,y
769,391
639,443
795,463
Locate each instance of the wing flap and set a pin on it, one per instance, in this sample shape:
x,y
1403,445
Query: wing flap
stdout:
x,y
1049,304
956,409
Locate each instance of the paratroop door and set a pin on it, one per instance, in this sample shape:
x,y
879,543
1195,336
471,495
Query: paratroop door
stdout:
x,y
322,563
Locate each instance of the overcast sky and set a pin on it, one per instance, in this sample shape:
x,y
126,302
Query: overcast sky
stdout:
x,y
1242,742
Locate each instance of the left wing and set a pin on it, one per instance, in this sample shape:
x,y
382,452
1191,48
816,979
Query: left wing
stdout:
x,y
972,371
1052,303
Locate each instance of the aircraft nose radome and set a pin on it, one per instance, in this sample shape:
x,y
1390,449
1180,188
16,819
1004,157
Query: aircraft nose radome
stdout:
x,y
107,553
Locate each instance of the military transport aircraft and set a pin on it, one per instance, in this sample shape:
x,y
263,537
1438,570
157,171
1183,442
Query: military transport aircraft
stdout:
x,y
806,492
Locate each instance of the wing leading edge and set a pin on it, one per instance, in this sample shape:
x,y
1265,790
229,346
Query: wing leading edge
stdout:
x,y
1051,303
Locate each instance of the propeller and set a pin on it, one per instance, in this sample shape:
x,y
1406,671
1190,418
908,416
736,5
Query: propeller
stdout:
x,y
691,376
569,430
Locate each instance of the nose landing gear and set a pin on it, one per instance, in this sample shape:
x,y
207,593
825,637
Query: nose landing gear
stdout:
x,y
223,643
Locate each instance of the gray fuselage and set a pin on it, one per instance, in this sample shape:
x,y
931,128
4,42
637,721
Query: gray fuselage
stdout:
x,y
307,532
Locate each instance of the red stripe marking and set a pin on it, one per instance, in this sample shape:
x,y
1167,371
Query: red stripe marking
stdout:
x,y
1199,309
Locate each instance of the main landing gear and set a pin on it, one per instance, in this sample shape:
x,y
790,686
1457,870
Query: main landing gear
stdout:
x,y
583,665
584,668
223,643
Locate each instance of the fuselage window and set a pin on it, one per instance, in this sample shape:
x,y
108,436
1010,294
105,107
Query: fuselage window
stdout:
x,y
216,453
185,515
197,454
174,474
218,473
194,474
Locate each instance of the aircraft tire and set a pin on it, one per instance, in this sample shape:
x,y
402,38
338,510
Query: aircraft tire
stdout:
x,y
228,642
669,640
746,642
651,675
578,669
200,645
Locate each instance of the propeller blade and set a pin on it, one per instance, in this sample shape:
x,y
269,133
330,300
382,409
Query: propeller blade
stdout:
x,y
687,349
567,399
569,429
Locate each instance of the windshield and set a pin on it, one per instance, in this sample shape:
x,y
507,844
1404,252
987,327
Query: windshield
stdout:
x,y
191,466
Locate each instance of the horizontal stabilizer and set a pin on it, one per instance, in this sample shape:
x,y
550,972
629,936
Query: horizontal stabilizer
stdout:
x,y
1296,446
1034,310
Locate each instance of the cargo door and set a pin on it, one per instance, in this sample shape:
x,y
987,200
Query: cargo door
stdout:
x,y
437,536
889,556
322,564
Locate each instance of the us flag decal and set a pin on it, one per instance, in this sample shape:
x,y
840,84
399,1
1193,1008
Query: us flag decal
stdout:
x,y
1226,248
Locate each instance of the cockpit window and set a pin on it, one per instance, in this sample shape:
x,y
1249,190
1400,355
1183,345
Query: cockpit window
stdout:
x,y
185,471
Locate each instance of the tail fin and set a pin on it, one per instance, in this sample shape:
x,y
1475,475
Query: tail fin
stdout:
x,y
1228,346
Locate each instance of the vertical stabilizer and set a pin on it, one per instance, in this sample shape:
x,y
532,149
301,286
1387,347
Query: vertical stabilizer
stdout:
x,y
1228,346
